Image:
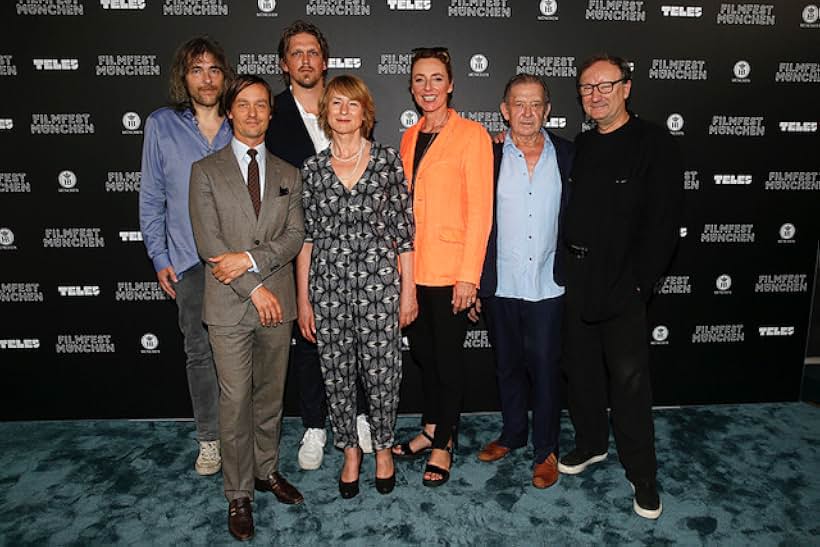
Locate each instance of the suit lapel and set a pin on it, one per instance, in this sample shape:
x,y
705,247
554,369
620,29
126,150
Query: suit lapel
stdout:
x,y
234,181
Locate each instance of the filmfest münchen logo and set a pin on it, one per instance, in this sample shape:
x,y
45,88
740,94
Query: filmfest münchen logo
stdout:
x,y
14,183
394,64
548,66
7,66
798,73
259,64
123,181
626,11
477,339
746,14
337,7
187,8
21,292
134,65
131,122
691,180
793,180
50,7
479,8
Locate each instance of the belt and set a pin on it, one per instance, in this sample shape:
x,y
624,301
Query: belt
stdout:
x,y
578,251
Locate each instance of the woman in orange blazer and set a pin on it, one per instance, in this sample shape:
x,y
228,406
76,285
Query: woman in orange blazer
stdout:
x,y
449,163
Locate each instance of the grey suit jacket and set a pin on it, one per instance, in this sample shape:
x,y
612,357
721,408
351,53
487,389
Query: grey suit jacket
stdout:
x,y
223,221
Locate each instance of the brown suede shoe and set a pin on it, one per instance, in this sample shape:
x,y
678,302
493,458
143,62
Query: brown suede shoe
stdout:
x,y
545,474
284,491
493,452
240,519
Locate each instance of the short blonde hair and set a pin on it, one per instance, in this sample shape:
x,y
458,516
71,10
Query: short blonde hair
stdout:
x,y
354,89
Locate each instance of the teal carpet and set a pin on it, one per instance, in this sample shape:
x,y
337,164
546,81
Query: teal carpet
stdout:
x,y
729,475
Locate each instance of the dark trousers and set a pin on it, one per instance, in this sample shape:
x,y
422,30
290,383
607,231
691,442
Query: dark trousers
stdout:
x,y
304,363
437,345
609,361
199,361
526,337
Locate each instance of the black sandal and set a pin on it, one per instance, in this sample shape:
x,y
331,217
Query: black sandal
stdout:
x,y
407,452
445,473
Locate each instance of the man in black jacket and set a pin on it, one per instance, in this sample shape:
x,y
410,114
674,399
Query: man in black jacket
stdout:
x,y
622,226
518,290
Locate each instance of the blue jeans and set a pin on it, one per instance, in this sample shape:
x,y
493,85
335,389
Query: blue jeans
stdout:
x,y
199,362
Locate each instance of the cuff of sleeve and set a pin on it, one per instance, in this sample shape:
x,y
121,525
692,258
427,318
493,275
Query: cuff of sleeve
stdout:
x,y
161,261
254,289
254,268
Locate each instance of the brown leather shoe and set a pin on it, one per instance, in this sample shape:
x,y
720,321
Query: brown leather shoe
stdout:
x,y
493,452
284,491
240,519
545,474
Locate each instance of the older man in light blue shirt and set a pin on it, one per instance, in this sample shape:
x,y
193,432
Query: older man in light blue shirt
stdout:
x,y
519,291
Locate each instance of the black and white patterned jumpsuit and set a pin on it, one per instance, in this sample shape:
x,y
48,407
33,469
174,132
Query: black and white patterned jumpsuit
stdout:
x,y
354,286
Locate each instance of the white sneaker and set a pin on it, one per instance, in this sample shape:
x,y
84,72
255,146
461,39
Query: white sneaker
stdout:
x,y
363,430
313,449
209,461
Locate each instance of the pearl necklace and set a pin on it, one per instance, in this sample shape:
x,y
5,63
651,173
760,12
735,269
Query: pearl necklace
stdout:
x,y
357,156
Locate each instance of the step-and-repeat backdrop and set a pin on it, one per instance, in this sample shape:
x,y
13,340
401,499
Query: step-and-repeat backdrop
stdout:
x,y
85,330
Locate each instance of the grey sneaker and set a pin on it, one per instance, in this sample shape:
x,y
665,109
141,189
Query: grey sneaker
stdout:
x,y
363,430
209,461
576,461
312,450
647,502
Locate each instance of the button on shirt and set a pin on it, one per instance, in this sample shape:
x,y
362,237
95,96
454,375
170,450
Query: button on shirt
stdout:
x,y
172,143
527,216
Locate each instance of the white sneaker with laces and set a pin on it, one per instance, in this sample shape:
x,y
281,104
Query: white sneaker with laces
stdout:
x,y
363,430
313,449
209,461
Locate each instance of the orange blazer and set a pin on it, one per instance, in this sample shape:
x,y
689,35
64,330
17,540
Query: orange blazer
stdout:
x,y
452,201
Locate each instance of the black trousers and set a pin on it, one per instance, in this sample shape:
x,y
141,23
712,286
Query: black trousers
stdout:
x,y
437,346
607,362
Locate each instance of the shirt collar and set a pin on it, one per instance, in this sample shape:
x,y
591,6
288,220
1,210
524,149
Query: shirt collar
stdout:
x,y
509,145
240,150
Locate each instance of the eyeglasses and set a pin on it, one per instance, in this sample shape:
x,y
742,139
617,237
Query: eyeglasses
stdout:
x,y
441,52
604,88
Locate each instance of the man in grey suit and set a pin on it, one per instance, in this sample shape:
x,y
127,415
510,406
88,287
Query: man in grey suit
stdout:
x,y
247,218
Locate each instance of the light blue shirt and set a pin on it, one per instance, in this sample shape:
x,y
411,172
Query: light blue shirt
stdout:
x,y
527,219
172,143
240,150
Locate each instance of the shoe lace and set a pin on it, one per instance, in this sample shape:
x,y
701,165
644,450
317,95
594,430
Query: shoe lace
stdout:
x,y
209,450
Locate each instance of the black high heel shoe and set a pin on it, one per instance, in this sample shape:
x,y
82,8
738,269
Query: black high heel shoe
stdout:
x,y
407,452
351,489
386,485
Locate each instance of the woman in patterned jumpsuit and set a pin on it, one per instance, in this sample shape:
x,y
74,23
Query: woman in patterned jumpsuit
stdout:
x,y
353,300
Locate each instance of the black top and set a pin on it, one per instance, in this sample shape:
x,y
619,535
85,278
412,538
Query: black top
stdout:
x,y
423,142
625,208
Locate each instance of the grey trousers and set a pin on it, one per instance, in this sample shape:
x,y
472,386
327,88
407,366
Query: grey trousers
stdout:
x,y
199,362
251,363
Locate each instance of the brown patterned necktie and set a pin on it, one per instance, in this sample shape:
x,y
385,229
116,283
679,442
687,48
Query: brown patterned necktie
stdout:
x,y
253,181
